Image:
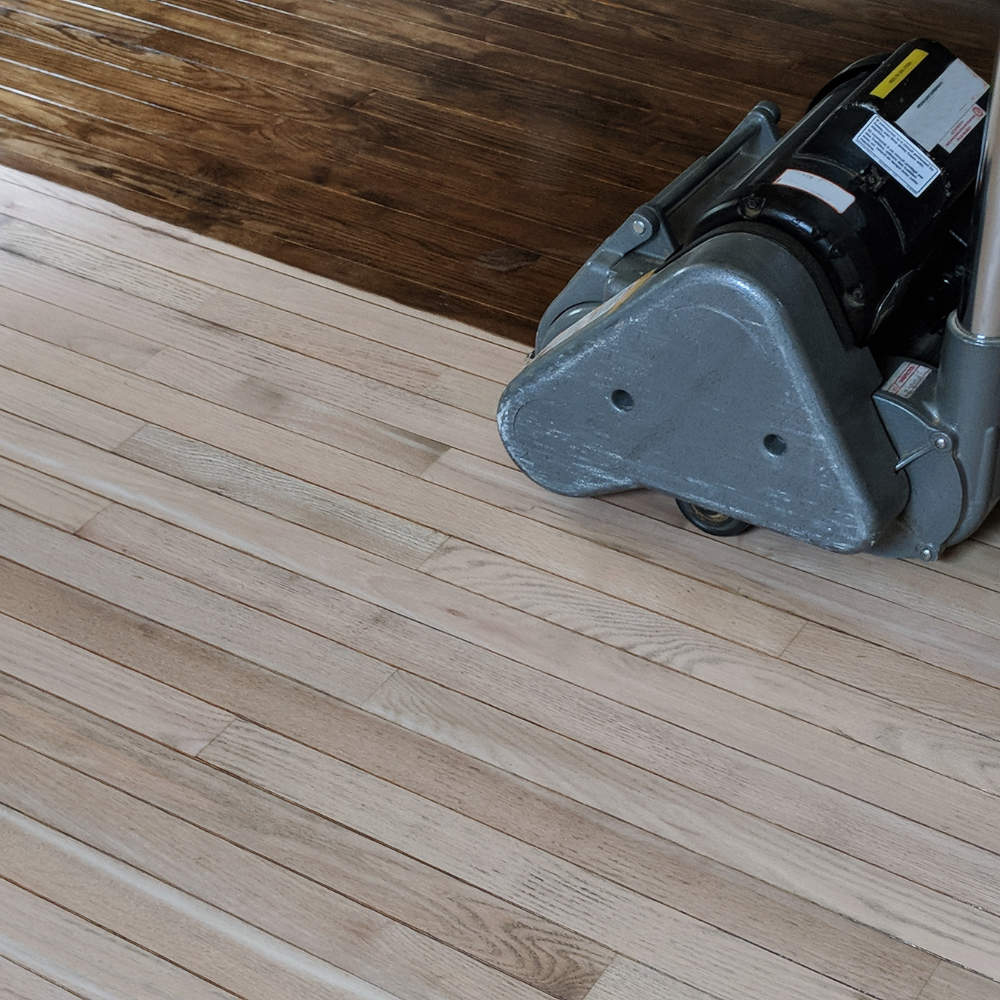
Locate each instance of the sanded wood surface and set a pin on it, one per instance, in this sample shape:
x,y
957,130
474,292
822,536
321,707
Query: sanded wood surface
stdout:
x,y
461,156
306,692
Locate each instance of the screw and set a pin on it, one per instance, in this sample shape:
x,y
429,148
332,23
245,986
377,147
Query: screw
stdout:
x,y
858,295
927,553
942,441
639,226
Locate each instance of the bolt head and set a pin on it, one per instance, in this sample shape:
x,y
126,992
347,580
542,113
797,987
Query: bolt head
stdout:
x,y
942,441
639,226
927,553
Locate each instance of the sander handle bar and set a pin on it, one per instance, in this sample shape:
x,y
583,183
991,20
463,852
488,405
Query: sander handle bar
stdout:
x,y
647,238
980,313
968,383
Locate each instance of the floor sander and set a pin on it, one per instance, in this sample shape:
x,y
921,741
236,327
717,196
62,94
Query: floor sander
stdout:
x,y
801,332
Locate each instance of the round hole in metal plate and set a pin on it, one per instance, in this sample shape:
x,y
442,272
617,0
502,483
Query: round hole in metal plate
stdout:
x,y
775,445
622,400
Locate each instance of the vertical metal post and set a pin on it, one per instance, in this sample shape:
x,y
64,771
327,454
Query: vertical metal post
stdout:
x,y
980,315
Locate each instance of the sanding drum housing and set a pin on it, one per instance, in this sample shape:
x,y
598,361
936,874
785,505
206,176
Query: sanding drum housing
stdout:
x,y
800,332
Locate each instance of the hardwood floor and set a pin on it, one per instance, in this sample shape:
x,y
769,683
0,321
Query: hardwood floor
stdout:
x,y
460,156
306,692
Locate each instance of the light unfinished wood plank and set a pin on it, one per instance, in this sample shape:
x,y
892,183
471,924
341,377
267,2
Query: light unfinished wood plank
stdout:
x,y
503,937
904,583
625,980
327,666
94,329
633,739
103,340
294,411
624,576
17,983
319,341
901,679
950,982
150,914
419,415
675,696
643,930
291,933
343,523
85,959
862,890
466,392
92,338
876,722
63,411
103,266
392,393
656,531
63,210
976,560
652,867
49,500
112,691
283,496
386,384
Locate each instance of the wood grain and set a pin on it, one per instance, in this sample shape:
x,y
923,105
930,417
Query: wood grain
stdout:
x,y
283,496
17,983
867,720
953,982
305,691
648,932
163,713
662,535
624,978
226,944
325,665
86,959
47,499
299,838
672,695
922,920
463,157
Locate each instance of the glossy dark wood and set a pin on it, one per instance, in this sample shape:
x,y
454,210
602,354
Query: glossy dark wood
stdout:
x,y
462,156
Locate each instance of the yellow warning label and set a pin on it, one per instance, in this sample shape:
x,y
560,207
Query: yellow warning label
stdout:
x,y
900,73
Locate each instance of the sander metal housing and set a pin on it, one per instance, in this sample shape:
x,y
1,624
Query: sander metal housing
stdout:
x,y
779,337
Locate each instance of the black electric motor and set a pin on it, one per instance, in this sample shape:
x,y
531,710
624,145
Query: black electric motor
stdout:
x,y
871,227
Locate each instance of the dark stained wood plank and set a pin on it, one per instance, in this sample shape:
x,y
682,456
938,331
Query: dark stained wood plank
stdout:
x,y
222,214
462,156
308,124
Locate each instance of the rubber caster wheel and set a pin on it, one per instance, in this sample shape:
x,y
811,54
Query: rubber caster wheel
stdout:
x,y
711,521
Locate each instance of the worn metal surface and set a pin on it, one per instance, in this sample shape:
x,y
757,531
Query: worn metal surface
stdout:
x,y
659,227
720,379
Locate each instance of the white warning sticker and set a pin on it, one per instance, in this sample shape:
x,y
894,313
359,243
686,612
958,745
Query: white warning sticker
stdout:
x,y
900,158
835,196
907,378
946,112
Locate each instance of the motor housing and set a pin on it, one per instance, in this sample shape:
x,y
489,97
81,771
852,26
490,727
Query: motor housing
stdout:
x,y
869,180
